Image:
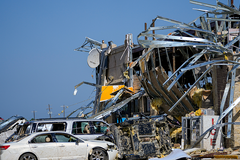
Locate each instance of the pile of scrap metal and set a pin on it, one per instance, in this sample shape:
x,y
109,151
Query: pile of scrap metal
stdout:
x,y
140,138
203,76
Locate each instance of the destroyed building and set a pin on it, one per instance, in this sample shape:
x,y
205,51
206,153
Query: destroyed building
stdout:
x,y
194,68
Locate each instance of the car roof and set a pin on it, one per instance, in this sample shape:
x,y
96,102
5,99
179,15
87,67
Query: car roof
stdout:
x,y
61,120
31,135
44,132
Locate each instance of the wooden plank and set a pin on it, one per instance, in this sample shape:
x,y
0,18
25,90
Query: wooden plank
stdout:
x,y
162,79
170,95
143,82
164,95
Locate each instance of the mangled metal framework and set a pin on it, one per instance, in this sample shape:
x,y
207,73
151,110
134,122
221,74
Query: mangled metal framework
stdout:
x,y
92,44
209,40
215,42
104,108
141,138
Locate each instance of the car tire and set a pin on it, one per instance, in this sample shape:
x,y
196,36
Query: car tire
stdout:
x,y
28,156
98,154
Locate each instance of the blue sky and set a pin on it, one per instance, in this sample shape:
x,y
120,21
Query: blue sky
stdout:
x,y
37,59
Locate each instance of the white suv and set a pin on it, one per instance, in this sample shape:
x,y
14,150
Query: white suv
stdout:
x,y
87,129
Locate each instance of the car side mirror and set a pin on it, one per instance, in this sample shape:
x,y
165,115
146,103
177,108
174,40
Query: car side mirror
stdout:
x,y
78,141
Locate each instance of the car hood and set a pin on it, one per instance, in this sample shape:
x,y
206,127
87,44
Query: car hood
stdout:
x,y
100,143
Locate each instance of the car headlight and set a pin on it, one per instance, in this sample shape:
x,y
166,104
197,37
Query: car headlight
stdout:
x,y
112,147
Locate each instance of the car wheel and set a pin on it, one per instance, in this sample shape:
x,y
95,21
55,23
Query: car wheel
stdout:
x,y
28,156
98,154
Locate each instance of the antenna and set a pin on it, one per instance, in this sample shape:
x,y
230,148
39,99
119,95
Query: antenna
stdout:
x,y
93,58
92,44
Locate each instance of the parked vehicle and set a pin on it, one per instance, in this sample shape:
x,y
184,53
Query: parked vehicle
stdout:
x,y
87,129
57,145
9,126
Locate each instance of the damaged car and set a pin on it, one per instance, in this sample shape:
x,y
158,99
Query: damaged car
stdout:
x,y
10,126
57,145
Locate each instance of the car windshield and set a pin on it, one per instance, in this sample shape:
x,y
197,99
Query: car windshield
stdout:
x,y
6,122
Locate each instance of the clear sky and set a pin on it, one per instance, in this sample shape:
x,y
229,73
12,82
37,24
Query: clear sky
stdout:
x,y
37,40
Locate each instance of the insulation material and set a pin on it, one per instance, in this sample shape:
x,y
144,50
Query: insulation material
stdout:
x,y
200,95
209,86
176,132
126,74
198,112
156,103
107,90
197,97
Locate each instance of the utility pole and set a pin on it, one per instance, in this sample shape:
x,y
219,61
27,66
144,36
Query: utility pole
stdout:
x,y
63,110
34,114
49,111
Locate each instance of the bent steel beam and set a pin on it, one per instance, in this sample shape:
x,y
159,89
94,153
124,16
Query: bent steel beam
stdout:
x,y
230,114
116,107
190,64
208,5
81,108
209,63
140,58
115,98
234,104
92,44
170,110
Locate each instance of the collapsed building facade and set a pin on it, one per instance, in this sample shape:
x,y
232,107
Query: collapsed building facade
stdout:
x,y
193,68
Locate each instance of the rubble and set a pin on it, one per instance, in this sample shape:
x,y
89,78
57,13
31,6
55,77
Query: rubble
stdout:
x,y
9,126
141,138
190,74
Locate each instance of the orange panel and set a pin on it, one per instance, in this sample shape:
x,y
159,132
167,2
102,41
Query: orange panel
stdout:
x,y
107,90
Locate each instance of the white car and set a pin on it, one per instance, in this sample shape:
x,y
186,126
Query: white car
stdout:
x,y
56,146
87,129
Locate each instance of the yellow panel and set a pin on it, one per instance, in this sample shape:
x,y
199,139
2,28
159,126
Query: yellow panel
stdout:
x,y
107,90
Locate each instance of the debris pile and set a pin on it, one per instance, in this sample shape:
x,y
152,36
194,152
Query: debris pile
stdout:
x,y
141,138
192,74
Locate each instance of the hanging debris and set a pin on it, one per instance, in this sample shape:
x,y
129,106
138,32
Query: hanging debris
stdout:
x,y
190,73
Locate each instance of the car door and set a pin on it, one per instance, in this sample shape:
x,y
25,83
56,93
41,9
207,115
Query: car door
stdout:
x,y
69,148
44,147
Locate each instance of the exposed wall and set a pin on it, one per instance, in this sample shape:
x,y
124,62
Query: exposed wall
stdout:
x,y
219,76
236,112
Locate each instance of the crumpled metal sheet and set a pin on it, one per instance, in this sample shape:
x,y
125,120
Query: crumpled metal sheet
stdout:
x,y
141,138
175,154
